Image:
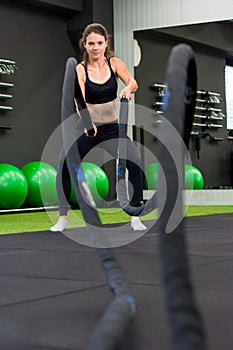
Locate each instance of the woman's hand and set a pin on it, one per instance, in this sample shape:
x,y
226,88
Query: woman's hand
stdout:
x,y
91,132
126,92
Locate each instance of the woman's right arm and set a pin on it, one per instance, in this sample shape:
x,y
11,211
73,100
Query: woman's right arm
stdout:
x,y
81,76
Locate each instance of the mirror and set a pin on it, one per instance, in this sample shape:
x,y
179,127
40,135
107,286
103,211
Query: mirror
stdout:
x,y
213,48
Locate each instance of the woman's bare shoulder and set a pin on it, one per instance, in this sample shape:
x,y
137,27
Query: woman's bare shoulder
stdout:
x,y
80,67
117,64
115,61
80,70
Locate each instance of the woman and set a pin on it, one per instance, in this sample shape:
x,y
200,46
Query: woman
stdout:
x,y
97,76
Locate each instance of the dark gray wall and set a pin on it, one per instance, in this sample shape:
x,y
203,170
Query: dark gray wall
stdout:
x,y
64,5
215,157
37,40
93,11
217,35
37,37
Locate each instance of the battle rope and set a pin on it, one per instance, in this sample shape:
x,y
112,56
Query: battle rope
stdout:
x,y
179,104
185,319
120,313
151,204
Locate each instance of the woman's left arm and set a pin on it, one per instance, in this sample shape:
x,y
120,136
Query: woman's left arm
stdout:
x,y
122,72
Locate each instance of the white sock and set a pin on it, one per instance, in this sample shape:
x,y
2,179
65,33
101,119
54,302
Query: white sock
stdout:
x,y
136,224
60,225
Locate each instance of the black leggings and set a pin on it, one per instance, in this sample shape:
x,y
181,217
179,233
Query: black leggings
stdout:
x,y
107,139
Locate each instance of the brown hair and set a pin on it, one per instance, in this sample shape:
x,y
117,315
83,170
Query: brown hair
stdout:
x,y
98,29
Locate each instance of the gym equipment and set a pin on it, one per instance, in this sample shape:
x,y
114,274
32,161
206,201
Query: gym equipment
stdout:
x,y
193,178
41,180
7,66
201,135
13,187
97,181
179,104
186,324
119,314
151,176
150,205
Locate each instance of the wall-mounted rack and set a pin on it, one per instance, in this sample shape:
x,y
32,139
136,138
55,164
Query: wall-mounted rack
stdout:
x,y
208,125
208,113
7,67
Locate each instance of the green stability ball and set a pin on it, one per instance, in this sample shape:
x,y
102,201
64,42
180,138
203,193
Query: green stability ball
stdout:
x,y
41,179
151,176
13,187
193,178
97,181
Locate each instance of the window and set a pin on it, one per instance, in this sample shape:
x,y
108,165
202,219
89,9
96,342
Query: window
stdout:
x,y
229,95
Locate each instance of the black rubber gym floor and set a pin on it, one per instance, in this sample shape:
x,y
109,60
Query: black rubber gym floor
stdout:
x,y
53,290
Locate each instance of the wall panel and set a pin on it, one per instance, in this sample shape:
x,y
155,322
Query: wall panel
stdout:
x,y
130,15
136,15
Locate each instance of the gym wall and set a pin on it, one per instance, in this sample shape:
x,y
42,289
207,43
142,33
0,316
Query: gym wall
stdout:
x,y
215,157
39,35
145,15
37,41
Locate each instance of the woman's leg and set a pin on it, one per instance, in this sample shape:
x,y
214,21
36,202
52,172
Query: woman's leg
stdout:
x,y
133,164
135,177
63,186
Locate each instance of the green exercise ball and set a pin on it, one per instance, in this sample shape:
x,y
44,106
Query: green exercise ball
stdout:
x,y
41,179
151,176
13,187
97,181
193,178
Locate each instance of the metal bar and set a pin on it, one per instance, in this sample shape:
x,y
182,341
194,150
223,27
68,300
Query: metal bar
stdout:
x,y
201,108
214,109
6,84
199,124
199,116
5,96
7,108
158,85
216,118
3,60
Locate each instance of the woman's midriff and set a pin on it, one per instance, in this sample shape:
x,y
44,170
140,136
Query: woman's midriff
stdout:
x,y
103,113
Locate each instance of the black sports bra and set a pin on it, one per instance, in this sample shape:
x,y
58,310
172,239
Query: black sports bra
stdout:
x,y
96,93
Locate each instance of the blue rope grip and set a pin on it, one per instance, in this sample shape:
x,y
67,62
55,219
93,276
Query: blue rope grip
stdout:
x,y
131,302
86,190
165,99
79,172
119,170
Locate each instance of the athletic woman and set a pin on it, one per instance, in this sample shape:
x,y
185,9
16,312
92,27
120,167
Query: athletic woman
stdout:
x,y
97,76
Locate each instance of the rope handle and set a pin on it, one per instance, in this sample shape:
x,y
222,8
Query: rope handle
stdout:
x,y
124,99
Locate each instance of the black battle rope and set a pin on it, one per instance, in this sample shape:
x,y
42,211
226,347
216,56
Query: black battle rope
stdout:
x,y
186,323
116,319
151,204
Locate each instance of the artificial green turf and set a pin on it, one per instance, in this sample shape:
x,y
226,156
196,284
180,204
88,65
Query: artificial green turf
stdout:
x,y
42,221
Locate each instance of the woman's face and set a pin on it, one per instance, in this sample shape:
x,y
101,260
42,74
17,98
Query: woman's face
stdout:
x,y
95,46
